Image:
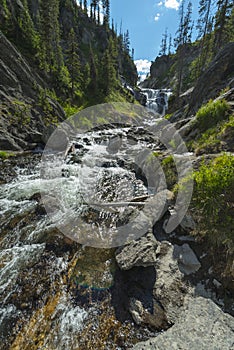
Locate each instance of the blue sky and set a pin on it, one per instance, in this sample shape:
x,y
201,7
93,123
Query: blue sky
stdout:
x,y
146,21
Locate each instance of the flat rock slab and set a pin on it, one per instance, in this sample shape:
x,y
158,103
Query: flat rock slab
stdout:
x,y
202,325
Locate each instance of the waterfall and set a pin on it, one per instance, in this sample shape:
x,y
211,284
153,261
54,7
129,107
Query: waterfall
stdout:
x,y
157,99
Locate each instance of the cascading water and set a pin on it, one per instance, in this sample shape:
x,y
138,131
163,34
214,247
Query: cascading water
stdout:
x,y
50,286
157,99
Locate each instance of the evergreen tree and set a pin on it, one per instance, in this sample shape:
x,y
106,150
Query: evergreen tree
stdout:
x,y
85,6
106,8
184,34
230,26
108,77
28,38
221,21
51,52
94,5
73,62
169,45
126,41
98,14
163,47
204,27
93,73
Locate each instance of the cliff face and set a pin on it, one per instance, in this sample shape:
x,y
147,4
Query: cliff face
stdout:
x,y
219,75
26,109
163,70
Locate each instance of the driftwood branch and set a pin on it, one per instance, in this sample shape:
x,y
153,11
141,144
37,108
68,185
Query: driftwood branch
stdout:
x,y
136,201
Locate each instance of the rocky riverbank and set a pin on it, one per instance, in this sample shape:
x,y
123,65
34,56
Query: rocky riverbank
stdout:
x,y
153,288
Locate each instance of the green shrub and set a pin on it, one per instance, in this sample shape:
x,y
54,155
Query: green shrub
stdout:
x,y
170,171
6,154
210,141
213,200
211,113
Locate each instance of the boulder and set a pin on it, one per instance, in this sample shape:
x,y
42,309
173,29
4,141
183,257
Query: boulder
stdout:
x,y
141,252
202,325
156,318
169,288
187,260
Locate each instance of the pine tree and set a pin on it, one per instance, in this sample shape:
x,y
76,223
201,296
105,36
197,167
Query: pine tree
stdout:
x,y
93,78
108,77
73,62
230,26
126,41
98,14
204,27
106,8
51,51
221,20
85,6
184,34
169,45
94,4
163,47
29,37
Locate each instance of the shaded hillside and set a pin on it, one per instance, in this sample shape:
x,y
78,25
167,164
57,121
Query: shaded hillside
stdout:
x,y
53,54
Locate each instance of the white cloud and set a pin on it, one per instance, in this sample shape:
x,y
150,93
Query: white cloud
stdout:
x,y
160,3
172,4
143,68
156,18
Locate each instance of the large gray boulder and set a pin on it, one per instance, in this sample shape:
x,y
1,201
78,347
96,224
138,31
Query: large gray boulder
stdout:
x,y
170,289
202,325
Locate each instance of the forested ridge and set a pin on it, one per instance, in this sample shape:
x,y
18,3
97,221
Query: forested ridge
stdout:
x,y
72,46
188,52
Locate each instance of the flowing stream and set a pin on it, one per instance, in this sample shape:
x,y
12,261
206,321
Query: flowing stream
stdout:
x,y
55,293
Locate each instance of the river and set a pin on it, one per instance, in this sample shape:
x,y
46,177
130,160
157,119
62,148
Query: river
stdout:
x,y
55,292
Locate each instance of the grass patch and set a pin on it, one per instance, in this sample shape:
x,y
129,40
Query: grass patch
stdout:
x,y
211,114
6,154
212,139
213,201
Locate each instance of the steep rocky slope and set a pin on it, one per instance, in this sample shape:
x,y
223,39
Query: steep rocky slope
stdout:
x,y
32,89
26,109
163,70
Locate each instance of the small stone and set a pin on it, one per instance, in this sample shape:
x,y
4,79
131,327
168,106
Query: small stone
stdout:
x,y
187,260
216,283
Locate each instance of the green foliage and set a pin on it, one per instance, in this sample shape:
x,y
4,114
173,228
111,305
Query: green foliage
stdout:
x,y
213,200
22,111
167,116
30,38
170,171
211,113
69,109
6,154
43,101
83,72
212,140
